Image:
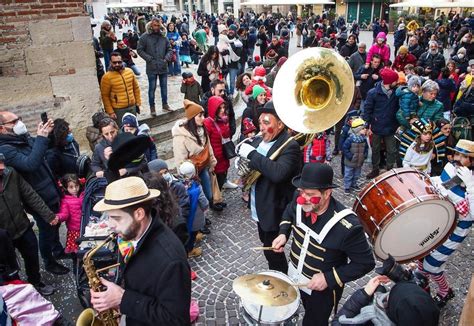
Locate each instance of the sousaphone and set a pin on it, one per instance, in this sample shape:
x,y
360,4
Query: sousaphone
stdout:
x,y
313,90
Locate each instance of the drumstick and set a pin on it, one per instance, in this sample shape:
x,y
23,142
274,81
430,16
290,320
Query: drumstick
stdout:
x,y
262,248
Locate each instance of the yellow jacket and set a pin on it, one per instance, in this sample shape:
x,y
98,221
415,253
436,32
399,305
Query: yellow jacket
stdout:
x,y
119,90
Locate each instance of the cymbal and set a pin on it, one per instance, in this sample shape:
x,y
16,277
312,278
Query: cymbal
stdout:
x,y
264,290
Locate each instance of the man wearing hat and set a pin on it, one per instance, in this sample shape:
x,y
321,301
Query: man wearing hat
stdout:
x,y
403,58
380,110
461,194
325,236
273,190
157,296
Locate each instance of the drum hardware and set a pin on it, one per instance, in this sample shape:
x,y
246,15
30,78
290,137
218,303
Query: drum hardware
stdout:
x,y
380,192
413,194
375,223
397,175
361,204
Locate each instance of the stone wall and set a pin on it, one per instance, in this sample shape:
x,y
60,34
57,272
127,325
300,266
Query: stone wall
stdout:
x,y
47,63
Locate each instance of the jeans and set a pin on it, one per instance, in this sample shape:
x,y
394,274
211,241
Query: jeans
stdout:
x,y
361,108
390,146
27,245
48,240
134,68
206,184
351,175
250,52
174,68
107,54
233,73
152,88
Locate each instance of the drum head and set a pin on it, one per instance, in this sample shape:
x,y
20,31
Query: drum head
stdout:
x,y
273,315
415,231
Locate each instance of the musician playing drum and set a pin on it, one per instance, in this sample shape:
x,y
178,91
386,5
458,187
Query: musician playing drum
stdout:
x,y
273,190
326,235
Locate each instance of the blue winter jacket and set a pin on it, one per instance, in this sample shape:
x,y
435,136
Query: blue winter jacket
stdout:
x,y
399,37
446,86
380,111
27,155
408,102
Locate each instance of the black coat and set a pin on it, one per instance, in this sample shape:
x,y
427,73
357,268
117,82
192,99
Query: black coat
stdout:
x,y
157,280
274,190
27,155
62,160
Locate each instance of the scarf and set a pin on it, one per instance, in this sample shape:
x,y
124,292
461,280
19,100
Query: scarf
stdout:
x,y
126,249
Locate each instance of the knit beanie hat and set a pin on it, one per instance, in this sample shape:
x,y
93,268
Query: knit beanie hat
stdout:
x,y
233,27
357,125
259,72
187,169
413,80
130,120
157,165
389,76
403,49
248,126
191,109
402,79
256,91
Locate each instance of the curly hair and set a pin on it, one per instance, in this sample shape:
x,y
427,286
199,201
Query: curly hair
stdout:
x,y
60,131
70,178
166,203
239,83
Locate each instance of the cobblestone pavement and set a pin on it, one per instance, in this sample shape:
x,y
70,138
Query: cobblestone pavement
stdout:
x,y
226,252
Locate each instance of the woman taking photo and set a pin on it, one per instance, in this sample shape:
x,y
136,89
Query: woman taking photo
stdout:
x,y
174,67
191,142
211,67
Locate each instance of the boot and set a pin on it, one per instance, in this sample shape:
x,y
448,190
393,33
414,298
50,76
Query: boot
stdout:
x,y
166,107
441,301
372,174
196,252
153,110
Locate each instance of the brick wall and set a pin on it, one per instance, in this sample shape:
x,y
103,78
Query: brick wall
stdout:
x,y
47,62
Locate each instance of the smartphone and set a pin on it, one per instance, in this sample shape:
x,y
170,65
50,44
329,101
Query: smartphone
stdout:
x,y
44,117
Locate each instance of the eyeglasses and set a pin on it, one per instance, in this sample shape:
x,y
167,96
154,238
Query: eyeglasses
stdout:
x,y
14,121
116,62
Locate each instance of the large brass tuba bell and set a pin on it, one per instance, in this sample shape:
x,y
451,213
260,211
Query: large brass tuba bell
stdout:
x,y
313,90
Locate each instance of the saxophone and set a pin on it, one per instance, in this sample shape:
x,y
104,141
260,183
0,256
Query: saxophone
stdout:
x,y
89,317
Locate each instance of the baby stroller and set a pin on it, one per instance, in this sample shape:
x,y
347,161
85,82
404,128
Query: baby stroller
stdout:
x,y
106,256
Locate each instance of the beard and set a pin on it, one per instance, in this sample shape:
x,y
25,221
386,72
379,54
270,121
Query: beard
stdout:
x,y
131,232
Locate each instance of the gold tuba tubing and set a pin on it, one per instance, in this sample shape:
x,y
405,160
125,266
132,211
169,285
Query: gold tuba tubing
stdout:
x,y
312,91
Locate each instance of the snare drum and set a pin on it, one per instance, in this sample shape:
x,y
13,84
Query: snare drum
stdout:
x,y
272,315
404,215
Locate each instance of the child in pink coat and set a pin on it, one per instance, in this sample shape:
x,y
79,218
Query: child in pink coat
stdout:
x,y
381,48
71,210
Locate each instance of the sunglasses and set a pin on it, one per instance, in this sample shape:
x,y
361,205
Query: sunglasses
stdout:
x,y
116,62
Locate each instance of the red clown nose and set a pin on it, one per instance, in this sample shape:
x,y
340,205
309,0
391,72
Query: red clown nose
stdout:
x,y
300,200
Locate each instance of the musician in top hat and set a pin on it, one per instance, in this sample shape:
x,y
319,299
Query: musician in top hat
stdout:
x,y
270,194
326,235
456,182
156,281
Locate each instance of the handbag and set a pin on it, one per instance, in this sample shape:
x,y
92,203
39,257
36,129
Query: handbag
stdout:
x,y
202,159
228,145
216,192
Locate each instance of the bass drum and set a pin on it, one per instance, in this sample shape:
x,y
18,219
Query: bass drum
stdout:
x,y
404,215
282,315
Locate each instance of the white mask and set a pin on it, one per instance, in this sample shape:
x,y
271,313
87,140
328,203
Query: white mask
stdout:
x,y
19,128
168,177
460,55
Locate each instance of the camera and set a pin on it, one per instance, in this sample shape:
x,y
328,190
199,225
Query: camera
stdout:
x,y
398,273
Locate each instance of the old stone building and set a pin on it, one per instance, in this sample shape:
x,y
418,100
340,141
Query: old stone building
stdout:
x,y
47,62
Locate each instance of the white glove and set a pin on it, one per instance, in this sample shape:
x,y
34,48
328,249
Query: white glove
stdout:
x,y
466,176
245,150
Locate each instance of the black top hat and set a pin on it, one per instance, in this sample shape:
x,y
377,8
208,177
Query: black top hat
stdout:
x,y
2,157
127,147
269,108
315,176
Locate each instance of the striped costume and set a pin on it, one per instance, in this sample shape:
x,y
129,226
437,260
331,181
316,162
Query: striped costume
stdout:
x,y
433,264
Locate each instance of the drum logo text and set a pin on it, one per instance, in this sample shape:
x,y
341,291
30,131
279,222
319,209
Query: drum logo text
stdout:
x,y
429,237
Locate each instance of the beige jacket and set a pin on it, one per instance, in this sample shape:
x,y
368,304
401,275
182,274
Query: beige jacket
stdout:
x,y
185,144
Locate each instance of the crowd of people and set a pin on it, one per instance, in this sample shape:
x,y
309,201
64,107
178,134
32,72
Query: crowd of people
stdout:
x,y
410,112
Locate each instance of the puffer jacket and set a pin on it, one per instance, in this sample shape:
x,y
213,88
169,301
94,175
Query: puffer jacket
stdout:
x,y
120,90
380,111
217,130
16,197
409,104
430,110
156,50
185,144
27,155
355,150
71,211
383,51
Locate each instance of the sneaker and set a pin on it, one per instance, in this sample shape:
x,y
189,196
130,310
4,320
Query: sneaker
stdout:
x,y
356,187
166,107
229,185
44,289
216,207
372,174
199,237
208,222
205,230
441,301
196,252
56,268
347,191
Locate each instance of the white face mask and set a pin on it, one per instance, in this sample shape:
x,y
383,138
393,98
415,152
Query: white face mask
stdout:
x,y
460,55
168,177
20,128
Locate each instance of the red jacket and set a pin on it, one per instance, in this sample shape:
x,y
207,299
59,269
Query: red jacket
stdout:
x,y
71,211
399,63
215,129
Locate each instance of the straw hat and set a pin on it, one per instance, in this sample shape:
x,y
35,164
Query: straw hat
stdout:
x,y
465,147
125,192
